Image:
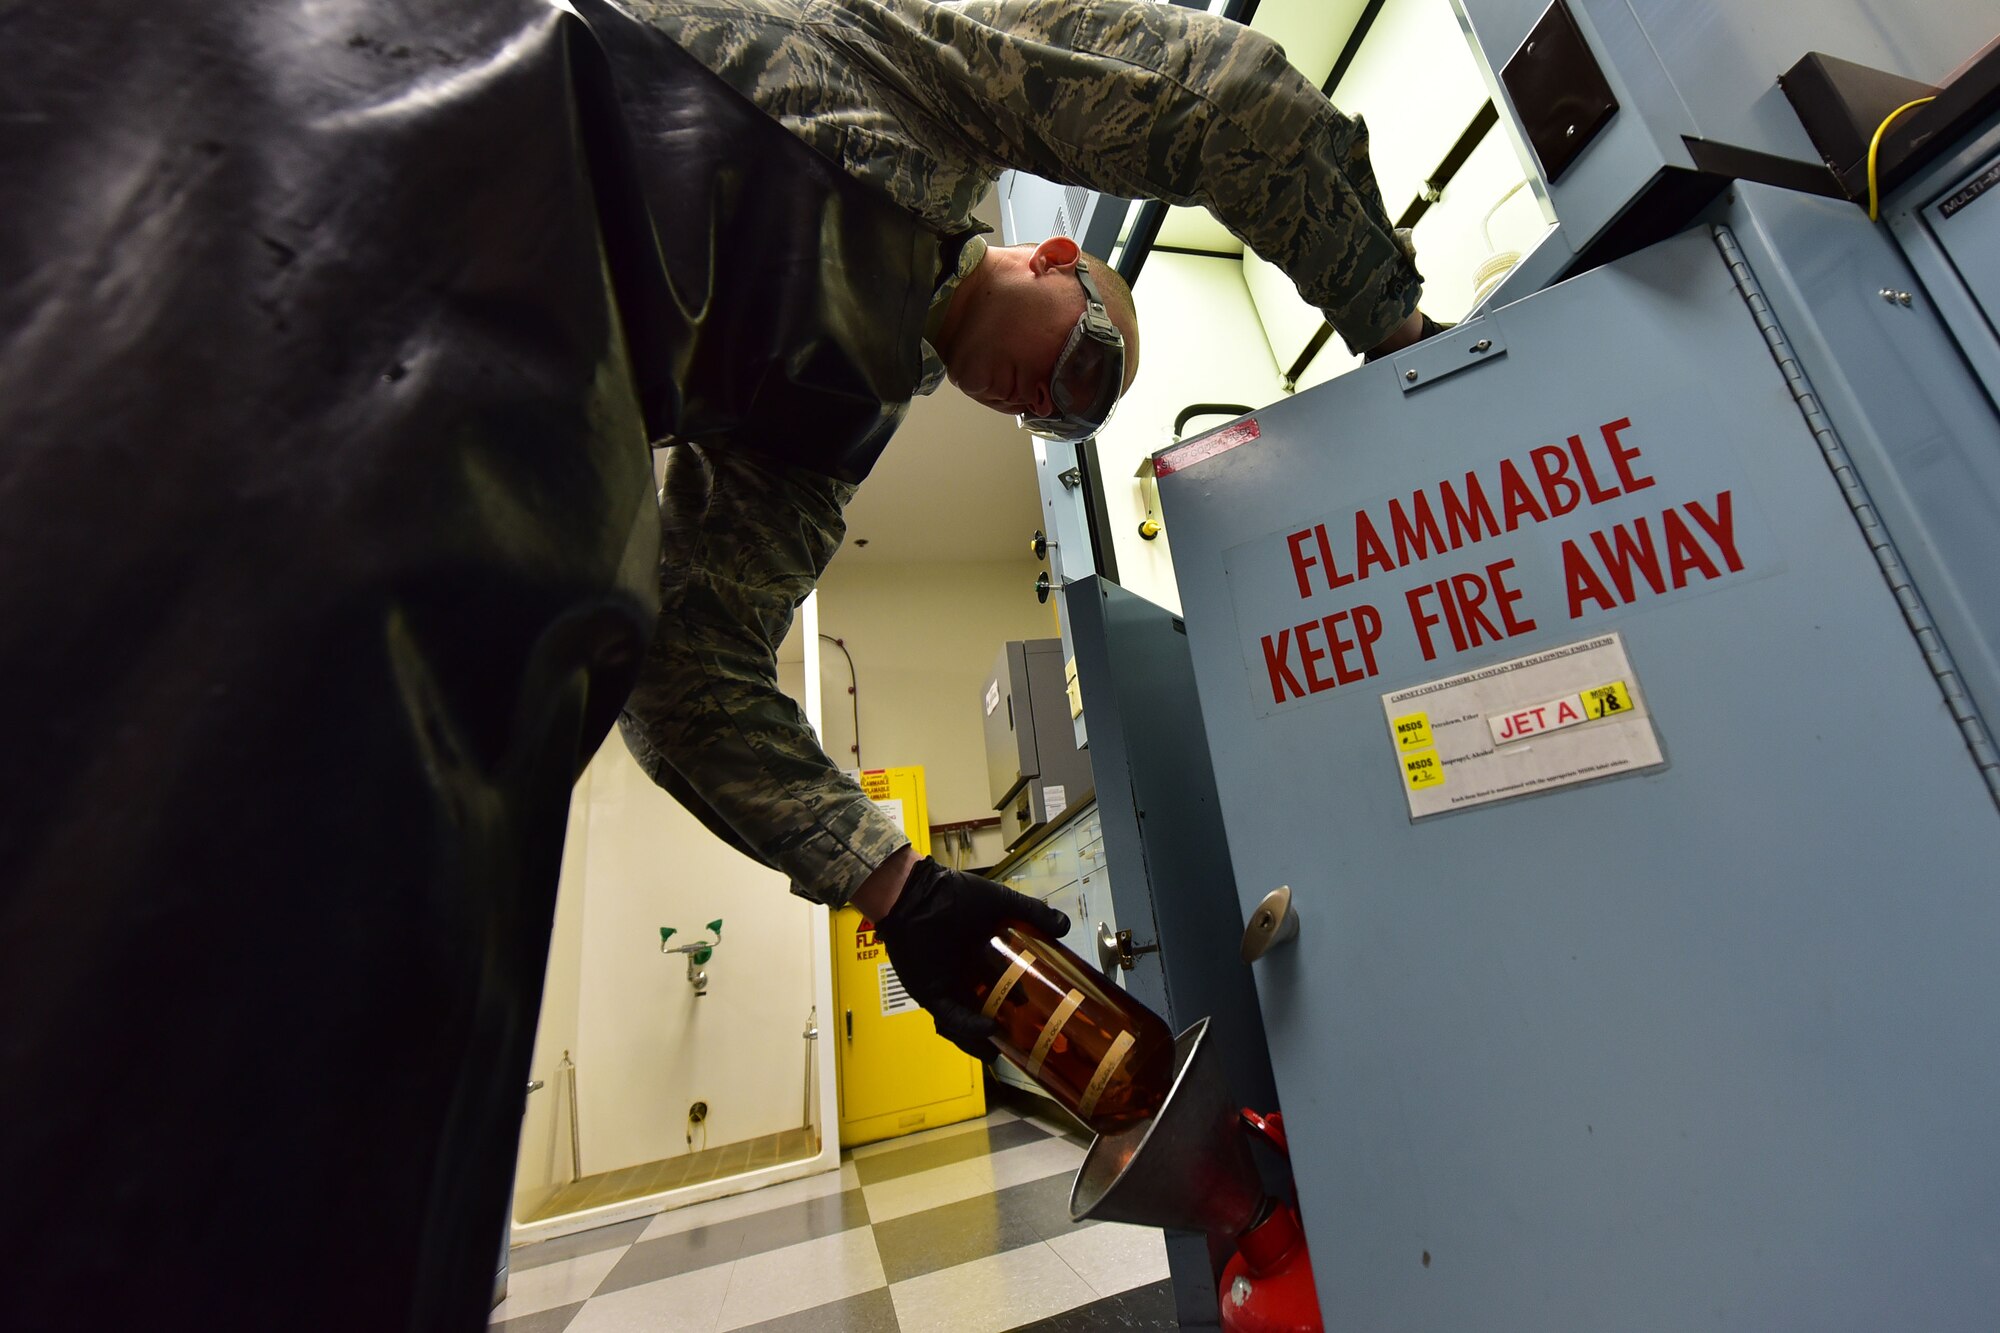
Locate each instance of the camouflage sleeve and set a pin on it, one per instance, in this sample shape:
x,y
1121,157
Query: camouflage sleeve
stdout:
x,y
1163,102
742,541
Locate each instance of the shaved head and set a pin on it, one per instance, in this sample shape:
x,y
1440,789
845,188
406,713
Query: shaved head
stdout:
x,y
1013,315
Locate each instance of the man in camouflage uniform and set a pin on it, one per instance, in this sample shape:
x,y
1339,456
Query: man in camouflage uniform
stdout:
x,y
929,103
331,346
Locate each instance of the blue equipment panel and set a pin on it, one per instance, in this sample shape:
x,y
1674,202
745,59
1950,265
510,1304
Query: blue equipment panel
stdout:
x,y
1947,219
1706,1045
1966,221
1163,839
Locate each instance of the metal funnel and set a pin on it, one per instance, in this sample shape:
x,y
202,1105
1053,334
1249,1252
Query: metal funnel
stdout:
x,y
1188,1167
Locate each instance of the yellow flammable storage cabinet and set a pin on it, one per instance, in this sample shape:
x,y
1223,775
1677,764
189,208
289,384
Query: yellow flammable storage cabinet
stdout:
x,y
896,1074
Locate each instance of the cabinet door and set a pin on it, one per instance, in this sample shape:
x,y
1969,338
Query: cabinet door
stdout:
x,y
892,1062
1699,1043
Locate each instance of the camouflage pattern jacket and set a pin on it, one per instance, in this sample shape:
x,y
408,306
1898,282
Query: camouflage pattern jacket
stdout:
x,y
928,103
931,101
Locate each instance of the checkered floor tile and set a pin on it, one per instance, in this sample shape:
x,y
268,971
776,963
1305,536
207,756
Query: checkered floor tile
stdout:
x,y
963,1229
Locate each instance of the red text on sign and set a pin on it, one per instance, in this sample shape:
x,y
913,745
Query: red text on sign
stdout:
x,y
1542,717
1553,481
1615,567
1461,601
1293,657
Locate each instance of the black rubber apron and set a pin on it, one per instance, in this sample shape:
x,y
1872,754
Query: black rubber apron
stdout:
x,y
332,339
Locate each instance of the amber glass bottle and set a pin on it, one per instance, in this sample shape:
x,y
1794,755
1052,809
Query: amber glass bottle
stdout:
x,y
1107,1058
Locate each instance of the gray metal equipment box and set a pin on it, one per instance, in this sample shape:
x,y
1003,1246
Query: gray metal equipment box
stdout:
x,y
1647,871
1611,681
1691,85
1034,770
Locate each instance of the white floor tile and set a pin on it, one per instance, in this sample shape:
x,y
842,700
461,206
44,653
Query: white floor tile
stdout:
x,y
748,1205
987,1295
992,1118
1113,1257
544,1287
1033,1161
890,1199
919,1190
689,1303
799,1277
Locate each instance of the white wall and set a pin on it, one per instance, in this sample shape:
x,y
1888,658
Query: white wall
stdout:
x,y
644,1045
1416,84
924,638
1200,341
647,1045
1223,330
544,1164
1420,44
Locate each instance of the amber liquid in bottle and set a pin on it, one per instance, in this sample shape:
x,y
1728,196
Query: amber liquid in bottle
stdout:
x,y
1107,1058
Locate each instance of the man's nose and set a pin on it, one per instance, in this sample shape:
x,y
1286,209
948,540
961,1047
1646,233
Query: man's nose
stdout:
x,y
1040,403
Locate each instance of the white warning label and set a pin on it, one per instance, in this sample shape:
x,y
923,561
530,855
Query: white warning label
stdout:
x,y
895,1000
1569,715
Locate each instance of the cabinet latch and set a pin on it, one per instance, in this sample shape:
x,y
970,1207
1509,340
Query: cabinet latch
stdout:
x,y
1118,950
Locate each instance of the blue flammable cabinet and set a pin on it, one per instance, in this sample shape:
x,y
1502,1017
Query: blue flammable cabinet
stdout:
x,y
1604,679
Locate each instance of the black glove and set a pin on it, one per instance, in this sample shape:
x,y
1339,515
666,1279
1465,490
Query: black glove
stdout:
x,y
936,937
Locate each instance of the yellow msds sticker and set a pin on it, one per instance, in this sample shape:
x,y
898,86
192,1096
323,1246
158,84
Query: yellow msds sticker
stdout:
x,y
1413,732
1423,769
1607,700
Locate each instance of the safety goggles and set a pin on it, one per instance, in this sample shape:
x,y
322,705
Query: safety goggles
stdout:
x,y
1089,374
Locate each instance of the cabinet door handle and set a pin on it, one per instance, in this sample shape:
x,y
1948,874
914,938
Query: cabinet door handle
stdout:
x,y
850,1025
1273,922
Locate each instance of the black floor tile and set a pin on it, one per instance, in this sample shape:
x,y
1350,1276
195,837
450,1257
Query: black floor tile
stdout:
x,y
545,1321
1043,1204
703,1247
870,1312
955,1234
1052,1119
875,1169
1148,1308
958,1233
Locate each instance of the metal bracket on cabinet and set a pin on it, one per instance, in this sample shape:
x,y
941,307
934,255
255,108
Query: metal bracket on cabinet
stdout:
x,y
1118,950
1470,345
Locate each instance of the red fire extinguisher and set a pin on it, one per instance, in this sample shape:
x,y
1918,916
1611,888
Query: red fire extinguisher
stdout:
x,y
1267,1285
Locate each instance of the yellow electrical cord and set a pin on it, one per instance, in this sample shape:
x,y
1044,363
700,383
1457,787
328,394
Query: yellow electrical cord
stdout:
x,y
1875,146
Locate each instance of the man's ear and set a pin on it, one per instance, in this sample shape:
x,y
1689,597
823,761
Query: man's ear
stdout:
x,y
1055,252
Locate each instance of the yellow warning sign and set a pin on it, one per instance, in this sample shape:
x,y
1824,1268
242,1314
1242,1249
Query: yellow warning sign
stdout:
x,y
1423,769
866,946
1606,700
1413,732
